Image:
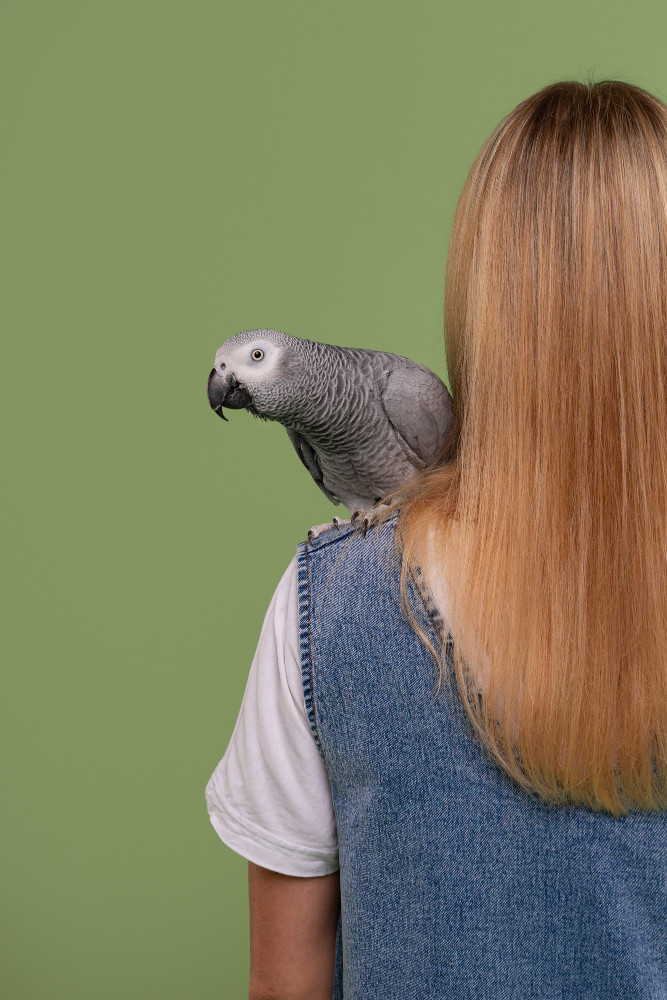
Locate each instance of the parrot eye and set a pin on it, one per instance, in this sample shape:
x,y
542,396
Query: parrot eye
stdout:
x,y
257,354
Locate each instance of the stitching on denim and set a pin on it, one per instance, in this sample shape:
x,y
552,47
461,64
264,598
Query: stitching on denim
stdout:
x,y
442,631
426,597
305,644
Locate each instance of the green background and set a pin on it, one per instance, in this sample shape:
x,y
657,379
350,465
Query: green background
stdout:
x,y
173,173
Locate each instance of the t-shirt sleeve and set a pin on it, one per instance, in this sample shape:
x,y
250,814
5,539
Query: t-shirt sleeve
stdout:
x,y
269,798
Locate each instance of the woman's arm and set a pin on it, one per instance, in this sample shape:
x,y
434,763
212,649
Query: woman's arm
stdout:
x,y
293,923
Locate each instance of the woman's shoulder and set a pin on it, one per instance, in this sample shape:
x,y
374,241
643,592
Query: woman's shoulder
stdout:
x,y
349,556
430,563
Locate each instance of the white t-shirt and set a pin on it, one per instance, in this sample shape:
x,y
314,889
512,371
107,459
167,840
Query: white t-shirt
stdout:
x,y
269,798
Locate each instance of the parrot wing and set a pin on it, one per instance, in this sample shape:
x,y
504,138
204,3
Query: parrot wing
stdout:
x,y
309,459
419,408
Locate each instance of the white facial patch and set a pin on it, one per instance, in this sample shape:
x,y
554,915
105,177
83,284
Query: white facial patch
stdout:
x,y
239,361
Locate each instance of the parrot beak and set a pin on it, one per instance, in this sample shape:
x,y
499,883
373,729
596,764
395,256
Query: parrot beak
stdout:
x,y
225,390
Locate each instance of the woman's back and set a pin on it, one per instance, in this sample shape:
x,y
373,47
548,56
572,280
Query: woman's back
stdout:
x,y
454,880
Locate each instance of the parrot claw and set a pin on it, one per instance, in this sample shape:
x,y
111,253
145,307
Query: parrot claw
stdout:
x,y
365,516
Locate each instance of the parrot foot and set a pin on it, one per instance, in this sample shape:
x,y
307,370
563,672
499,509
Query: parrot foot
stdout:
x,y
319,528
365,516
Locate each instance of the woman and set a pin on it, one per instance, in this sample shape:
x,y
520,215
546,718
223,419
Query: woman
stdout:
x,y
505,836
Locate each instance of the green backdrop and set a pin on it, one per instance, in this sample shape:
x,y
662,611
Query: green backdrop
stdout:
x,y
173,173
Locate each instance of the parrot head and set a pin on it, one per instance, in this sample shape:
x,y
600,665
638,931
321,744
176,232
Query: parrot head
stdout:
x,y
257,370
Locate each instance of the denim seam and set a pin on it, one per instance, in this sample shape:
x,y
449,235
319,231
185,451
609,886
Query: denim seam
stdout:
x,y
305,643
427,599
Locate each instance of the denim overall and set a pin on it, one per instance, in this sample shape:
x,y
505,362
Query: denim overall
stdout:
x,y
456,883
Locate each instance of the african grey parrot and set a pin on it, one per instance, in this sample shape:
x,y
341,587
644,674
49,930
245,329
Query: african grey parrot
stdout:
x,y
361,421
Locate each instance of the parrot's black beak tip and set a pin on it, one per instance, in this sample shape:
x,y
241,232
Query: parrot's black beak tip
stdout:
x,y
218,409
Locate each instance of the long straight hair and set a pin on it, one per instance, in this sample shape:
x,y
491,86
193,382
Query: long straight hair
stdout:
x,y
549,502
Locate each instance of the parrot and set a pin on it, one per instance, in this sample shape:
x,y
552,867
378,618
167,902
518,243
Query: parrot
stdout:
x,y
361,421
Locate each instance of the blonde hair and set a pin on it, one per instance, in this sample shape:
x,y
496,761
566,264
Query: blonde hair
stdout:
x,y
556,345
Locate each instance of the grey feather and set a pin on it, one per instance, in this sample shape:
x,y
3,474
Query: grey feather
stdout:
x,y
309,459
416,413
